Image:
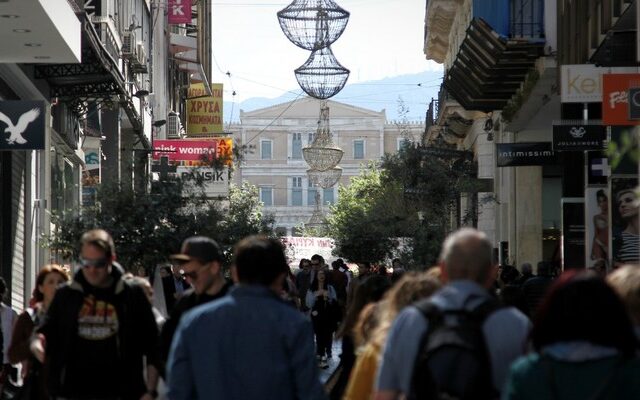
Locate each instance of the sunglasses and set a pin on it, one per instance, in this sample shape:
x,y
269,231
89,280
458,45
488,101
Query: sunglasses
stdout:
x,y
98,263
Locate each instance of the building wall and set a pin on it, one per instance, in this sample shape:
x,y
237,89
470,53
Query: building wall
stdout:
x,y
348,124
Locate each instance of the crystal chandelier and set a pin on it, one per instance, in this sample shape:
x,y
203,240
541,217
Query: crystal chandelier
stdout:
x,y
322,154
325,179
322,76
313,24
317,218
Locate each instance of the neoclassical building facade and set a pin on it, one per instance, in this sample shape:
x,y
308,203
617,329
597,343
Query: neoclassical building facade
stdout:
x,y
274,163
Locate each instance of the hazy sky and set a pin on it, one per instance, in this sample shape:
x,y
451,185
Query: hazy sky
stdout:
x,y
383,38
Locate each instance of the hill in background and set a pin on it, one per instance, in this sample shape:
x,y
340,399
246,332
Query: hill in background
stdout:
x,y
415,90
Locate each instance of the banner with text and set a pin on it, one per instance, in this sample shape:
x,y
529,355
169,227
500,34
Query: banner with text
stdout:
x,y
179,11
579,137
525,154
214,183
304,247
204,113
195,152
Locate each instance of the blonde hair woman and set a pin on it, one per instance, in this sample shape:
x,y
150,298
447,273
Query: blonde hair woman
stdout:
x,y
412,287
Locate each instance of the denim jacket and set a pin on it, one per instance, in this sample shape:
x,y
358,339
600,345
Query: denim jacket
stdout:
x,y
247,345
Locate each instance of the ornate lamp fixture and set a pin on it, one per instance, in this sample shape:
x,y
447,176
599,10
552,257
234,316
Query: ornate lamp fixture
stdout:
x,y
322,76
325,179
317,220
313,24
322,154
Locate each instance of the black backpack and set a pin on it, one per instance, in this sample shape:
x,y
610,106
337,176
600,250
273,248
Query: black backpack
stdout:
x,y
453,361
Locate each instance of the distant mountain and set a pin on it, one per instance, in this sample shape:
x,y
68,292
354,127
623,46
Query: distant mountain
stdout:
x,y
415,90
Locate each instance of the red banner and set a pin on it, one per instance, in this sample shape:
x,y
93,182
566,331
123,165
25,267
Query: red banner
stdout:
x,y
194,150
179,11
615,98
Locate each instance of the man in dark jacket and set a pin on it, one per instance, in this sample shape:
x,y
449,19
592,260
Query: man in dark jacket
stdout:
x,y
200,263
97,331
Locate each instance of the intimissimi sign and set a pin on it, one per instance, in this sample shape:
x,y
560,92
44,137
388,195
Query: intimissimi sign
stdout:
x,y
93,7
525,154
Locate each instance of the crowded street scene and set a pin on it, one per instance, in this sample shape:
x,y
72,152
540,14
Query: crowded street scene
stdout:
x,y
320,199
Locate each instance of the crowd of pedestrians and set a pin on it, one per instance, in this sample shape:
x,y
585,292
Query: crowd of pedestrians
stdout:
x,y
465,329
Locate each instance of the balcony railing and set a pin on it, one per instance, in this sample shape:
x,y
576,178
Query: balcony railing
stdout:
x,y
105,29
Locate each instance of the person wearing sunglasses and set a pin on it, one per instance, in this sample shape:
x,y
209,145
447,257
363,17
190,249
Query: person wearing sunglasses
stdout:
x,y
98,330
200,264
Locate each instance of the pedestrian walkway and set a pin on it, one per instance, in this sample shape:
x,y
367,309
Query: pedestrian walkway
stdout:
x,y
336,349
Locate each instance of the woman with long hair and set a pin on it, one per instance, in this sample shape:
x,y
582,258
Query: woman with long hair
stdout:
x,y
49,278
626,236
372,330
322,300
584,345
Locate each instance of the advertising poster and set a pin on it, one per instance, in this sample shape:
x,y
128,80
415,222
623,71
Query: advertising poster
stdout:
x,y
624,221
573,233
204,113
615,98
596,238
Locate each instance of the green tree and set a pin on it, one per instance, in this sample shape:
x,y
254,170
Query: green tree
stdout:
x,y
148,227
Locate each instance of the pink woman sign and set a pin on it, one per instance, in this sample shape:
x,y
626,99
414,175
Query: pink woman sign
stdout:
x,y
179,11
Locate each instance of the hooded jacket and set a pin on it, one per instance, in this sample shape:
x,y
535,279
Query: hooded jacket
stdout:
x,y
136,337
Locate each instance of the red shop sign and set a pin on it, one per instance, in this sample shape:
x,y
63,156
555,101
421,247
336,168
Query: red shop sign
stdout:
x,y
615,98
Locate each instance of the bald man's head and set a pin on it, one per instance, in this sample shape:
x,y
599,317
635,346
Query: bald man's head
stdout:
x,y
467,254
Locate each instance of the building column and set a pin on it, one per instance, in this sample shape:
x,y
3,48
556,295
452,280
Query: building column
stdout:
x,y
110,170
127,138
528,210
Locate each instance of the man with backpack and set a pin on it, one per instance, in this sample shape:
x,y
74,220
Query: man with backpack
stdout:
x,y
459,343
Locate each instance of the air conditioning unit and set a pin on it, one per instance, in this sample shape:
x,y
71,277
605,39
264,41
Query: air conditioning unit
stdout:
x,y
174,127
139,63
129,45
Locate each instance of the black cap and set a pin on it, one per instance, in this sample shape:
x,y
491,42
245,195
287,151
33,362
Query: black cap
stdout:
x,y
201,248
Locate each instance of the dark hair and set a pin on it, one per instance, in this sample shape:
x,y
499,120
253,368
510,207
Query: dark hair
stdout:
x,y
101,239
304,260
371,289
317,257
509,274
581,306
37,295
259,260
600,194
314,284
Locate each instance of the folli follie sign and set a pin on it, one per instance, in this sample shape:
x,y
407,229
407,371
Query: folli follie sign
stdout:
x,y
204,112
615,98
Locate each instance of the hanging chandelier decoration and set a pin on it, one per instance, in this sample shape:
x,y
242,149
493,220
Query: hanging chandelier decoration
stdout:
x,y
322,76
313,24
325,179
317,220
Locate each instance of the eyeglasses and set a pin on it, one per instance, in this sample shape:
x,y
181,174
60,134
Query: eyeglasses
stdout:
x,y
98,263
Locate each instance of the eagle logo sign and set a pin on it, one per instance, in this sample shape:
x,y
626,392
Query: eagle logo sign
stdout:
x,y
18,129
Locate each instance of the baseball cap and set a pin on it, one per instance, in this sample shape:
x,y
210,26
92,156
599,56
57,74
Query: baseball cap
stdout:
x,y
201,248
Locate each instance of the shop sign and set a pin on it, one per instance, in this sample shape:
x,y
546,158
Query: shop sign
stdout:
x,y
615,98
582,83
179,11
22,125
214,183
579,137
204,113
195,152
525,154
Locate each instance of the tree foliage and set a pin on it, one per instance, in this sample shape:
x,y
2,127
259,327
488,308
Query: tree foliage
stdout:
x,y
148,227
410,196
